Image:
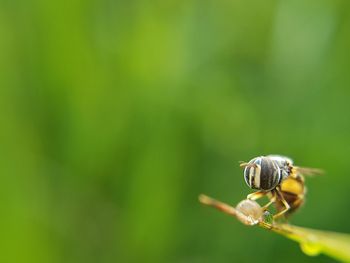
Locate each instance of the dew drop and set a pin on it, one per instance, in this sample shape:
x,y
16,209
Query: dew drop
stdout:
x,y
310,248
249,212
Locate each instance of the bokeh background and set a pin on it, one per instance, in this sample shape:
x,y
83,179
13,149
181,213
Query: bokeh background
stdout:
x,y
115,115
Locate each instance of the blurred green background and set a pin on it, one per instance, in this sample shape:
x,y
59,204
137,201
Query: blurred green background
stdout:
x,y
115,115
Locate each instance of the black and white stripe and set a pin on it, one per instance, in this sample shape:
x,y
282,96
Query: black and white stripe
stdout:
x,y
262,173
270,175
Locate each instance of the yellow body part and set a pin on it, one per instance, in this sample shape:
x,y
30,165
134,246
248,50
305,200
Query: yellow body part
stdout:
x,y
293,191
293,185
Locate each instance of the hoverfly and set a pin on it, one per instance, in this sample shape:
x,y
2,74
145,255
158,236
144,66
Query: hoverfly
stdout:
x,y
277,178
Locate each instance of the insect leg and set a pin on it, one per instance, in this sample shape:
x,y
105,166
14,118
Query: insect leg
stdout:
x,y
285,203
256,195
272,200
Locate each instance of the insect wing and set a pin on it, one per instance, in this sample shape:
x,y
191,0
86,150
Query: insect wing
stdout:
x,y
309,171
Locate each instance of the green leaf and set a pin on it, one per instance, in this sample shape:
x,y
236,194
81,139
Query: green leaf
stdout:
x,y
312,242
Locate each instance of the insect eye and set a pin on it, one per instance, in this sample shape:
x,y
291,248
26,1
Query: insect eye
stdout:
x,y
247,176
270,174
252,175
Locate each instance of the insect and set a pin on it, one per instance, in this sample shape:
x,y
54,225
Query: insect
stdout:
x,y
277,178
